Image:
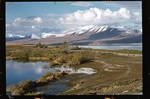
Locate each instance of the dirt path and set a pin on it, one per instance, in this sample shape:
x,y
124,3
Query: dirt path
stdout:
x,y
125,73
120,74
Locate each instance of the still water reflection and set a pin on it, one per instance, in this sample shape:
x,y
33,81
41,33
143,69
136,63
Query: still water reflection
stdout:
x,y
18,71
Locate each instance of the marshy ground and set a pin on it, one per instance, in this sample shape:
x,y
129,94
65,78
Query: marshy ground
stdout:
x,y
119,72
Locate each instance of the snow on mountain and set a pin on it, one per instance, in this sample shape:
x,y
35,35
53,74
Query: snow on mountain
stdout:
x,y
14,36
132,30
21,36
46,35
86,29
121,28
60,35
9,35
33,36
99,28
78,31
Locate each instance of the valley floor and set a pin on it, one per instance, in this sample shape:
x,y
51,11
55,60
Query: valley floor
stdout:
x,y
117,74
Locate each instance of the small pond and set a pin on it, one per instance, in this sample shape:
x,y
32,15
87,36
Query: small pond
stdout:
x,y
18,71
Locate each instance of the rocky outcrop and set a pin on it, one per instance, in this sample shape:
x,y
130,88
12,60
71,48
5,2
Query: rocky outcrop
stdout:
x,y
22,87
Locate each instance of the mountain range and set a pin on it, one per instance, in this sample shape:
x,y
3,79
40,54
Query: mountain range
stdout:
x,y
86,35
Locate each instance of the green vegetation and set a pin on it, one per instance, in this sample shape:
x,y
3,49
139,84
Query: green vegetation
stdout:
x,y
65,48
59,55
127,51
39,45
110,67
76,48
23,55
55,55
45,76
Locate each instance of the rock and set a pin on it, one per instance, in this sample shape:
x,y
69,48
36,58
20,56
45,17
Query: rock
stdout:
x,y
82,82
22,87
57,61
60,73
92,92
67,71
50,78
39,93
64,73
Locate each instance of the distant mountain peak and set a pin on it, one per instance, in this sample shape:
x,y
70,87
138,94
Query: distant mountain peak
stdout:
x,y
14,36
33,36
85,33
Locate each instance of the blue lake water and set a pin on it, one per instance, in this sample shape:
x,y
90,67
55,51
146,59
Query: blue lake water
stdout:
x,y
112,47
18,71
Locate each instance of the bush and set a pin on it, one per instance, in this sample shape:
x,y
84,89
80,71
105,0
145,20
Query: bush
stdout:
x,y
39,45
65,48
74,60
51,56
76,48
52,63
37,54
22,55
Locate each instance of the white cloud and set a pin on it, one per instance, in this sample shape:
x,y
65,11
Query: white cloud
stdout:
x,y
29,25
83,4
98,16
32,27
92,16
38,19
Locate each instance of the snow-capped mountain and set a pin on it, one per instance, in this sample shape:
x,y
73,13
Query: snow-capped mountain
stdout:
x,y
14,36
132,30
99,28
78,31
46,35
90,34
33,36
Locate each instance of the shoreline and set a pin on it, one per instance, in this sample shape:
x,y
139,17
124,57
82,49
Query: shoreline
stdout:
x,y
117,69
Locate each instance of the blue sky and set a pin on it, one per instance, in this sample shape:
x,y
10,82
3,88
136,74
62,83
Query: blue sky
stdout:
x,y
25,9
31,17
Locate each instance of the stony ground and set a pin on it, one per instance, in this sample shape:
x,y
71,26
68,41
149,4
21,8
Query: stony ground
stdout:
x,y
117,74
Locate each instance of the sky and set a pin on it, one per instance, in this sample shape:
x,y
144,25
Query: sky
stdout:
x,y
45,17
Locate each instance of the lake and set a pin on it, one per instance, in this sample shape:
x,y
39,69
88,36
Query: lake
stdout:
x,y
18,71
115,47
